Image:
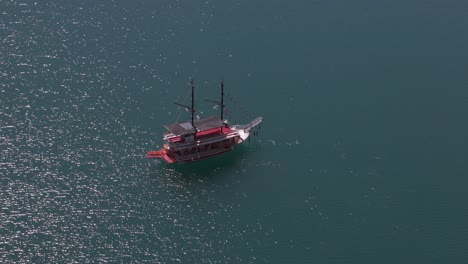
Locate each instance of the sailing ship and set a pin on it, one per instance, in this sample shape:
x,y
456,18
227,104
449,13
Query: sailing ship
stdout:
x,y
199,139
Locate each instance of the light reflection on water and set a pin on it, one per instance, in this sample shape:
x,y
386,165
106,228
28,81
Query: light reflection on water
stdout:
x,y
362,159
75,184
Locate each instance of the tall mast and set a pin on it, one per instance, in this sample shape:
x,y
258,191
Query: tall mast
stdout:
x,y
220,103
193,109
222,100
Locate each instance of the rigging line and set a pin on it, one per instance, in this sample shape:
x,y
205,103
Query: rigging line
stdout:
x,y
244,111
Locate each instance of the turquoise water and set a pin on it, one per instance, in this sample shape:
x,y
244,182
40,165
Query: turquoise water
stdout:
x,y
362,156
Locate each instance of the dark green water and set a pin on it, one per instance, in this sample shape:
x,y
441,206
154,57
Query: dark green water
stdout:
x,y
362,157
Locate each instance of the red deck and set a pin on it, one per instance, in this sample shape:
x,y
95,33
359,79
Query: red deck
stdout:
x,y
160,154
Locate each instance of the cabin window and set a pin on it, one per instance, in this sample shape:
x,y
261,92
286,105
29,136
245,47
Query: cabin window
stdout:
x,y
190,138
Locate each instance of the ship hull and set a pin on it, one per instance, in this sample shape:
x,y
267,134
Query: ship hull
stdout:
x,y
196,152
202,156
204,144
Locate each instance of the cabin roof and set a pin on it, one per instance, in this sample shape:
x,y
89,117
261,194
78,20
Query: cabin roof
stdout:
x,y
185,128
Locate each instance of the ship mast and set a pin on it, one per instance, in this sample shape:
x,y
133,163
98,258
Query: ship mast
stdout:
x,y
222,100
220,103
190,108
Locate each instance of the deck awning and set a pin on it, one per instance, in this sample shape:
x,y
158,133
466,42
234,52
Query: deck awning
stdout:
x,y
208,123
185,128
180,129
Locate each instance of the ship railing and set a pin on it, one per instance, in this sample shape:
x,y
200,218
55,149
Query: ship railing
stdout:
x,y
250,125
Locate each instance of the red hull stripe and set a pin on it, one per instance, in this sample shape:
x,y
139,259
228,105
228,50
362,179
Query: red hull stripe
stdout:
x,y
162,155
